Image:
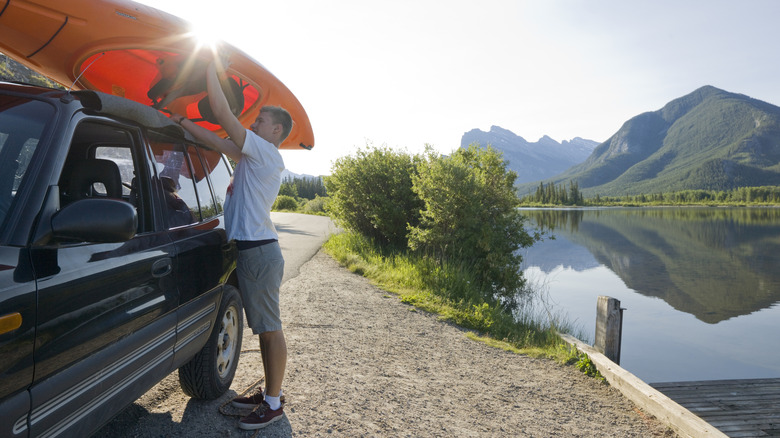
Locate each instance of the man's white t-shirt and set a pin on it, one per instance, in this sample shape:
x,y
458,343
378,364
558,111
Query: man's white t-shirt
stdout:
x,y
256,182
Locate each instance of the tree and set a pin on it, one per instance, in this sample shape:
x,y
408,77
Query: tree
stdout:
x,y
305,187
470,216
288,188
371,193
549,194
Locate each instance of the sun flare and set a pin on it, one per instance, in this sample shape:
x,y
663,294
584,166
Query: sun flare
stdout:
x,y
207,36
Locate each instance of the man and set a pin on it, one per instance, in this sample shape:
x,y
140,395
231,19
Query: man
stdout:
x,y
256,183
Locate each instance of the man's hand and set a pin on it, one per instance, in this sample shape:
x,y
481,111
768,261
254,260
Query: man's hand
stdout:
x,y
219,103
226,146
220,63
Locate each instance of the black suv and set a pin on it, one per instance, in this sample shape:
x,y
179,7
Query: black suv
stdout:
x,y
115,269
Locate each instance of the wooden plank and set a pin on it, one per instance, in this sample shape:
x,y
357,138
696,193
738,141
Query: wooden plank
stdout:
x,y
735,394
738,408
715,383
736,401
650,400
723,388
734,408
747,433
764,412
738,424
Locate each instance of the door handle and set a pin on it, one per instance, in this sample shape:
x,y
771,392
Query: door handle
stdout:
x,y
162,267
10,322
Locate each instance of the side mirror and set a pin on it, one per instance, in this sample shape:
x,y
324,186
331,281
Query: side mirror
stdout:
x,y
95,220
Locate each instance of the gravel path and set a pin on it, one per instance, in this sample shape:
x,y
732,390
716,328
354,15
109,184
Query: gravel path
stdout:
x,y
361,363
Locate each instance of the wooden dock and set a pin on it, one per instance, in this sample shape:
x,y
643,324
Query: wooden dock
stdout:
x,y
738,408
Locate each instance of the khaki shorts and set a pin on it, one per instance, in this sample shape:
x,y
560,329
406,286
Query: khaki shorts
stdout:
x,y
260,272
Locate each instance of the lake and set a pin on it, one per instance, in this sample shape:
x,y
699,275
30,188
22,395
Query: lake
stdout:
x,y
701,286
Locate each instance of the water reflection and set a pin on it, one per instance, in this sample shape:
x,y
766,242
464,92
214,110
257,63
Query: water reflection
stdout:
x,y
713,263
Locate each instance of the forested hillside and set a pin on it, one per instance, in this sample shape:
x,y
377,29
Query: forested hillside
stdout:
x,y
708,140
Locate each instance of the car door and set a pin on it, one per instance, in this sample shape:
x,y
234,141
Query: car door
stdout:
x,y
106,311
17,331
22,126
196,228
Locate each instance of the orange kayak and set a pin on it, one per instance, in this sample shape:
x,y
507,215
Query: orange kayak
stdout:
x,y
134,51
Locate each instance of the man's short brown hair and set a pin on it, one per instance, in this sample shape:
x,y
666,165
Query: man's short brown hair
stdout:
x,y
280,116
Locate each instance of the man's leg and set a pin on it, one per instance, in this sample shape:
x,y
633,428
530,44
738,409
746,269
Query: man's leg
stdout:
x,y
262,301
263,355
274,351
260,272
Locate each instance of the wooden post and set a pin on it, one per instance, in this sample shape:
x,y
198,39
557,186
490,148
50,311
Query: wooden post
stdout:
x,y
609,327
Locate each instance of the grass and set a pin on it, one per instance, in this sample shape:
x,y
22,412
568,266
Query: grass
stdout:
x,y
448,292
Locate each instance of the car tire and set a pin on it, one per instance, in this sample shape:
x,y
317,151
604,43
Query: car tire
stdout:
x,y
209,374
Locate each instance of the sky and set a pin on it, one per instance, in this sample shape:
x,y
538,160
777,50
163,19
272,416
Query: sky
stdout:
x,y
406,73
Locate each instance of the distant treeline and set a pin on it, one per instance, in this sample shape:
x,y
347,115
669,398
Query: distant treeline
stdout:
x,y
570,195
306,188
561,195
302,195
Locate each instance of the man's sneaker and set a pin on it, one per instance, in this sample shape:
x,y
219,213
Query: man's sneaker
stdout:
x,y
249,402
252,401
261,417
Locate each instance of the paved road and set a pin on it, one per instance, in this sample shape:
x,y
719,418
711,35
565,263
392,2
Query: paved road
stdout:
x,y
300,236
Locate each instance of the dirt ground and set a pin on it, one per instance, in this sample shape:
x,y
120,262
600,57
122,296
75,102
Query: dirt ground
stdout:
x,y
361,363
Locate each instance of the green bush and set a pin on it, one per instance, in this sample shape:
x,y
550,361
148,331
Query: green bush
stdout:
x,y
316,205
458,211
371,193
471,218
284,202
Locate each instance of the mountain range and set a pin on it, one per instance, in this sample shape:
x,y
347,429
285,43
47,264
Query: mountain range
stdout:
x,y
710,139
532,161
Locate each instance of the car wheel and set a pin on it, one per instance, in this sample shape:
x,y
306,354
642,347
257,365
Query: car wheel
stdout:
x,y
209,374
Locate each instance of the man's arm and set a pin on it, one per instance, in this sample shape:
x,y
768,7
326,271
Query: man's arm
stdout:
x,y
224,145
220,106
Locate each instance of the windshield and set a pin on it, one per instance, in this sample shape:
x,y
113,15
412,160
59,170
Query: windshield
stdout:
x,y
21,125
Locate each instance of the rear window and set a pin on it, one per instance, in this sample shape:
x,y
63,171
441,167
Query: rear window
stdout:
x,y
22,122
193,180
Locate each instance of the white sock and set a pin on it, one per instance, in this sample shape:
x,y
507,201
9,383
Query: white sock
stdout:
x,y
281,393
273,402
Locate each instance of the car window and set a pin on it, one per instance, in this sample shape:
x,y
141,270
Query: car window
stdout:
x,y
207,207
194,181
174,176
123,157
22,122
219,175
106,160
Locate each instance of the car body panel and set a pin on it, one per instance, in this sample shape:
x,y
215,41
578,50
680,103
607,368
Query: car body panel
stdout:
x,y
87,327
17,296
